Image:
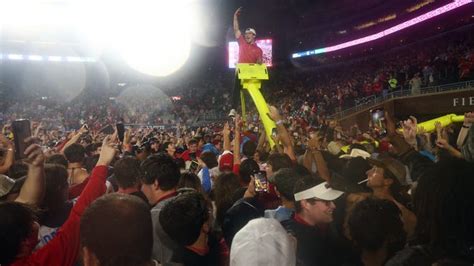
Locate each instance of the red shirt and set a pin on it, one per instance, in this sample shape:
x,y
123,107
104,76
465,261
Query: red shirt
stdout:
x,y
300,220
377,87
64,248
77,189
186,155
248,53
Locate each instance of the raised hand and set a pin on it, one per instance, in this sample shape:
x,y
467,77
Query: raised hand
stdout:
x,y
38,128
34,154
238,11
274,114
439,129
421,130
84,129
109,148
226,129
442,143
33,188
410,129
250,192
469,118
238,122
126,136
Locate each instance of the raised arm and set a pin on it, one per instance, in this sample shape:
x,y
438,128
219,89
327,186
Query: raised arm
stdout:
x,y
443,143
282,132
417,163
410,130
237,140
226,134
64,248
38,129
236,23
314,146
468,120
32,191
278,146
261,139
74,138
126,146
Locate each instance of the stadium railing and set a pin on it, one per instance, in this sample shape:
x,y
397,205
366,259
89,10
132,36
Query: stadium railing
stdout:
x,y
374,100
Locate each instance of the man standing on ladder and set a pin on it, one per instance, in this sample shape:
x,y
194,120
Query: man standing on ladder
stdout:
x,y
249,53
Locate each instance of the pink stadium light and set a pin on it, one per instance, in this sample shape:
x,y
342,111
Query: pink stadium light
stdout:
x,y
399,27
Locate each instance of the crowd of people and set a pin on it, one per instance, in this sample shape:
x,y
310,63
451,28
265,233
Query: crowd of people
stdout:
x,y
446,59
141,179
303,94
223,195
427,63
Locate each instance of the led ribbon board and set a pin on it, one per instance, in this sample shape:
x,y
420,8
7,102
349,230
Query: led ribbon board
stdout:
x,y
376,36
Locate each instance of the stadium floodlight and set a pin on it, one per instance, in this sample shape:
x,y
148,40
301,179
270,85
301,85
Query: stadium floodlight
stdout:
x,y
428,15
35,58
54,58
153,37
157,41
51,58
15,57
75,59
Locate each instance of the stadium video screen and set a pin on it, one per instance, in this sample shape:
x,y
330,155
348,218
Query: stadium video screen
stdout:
x,y
264,44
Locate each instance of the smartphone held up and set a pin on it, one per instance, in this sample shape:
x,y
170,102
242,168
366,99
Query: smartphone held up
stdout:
x,y
261,182
21,131
120,131
379,121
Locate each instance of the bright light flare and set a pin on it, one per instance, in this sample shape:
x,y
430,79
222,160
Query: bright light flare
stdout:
x,y
35,58
54,58
157,41
15,57
153,37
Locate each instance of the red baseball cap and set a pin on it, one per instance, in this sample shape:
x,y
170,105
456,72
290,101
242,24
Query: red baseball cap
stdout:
x,y
226,161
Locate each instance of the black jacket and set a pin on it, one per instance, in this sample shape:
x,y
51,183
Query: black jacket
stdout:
x,y
239,215
315,246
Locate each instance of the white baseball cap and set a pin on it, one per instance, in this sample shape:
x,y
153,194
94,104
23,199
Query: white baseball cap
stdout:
x,y
356,153
9,185
322,191
251,31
